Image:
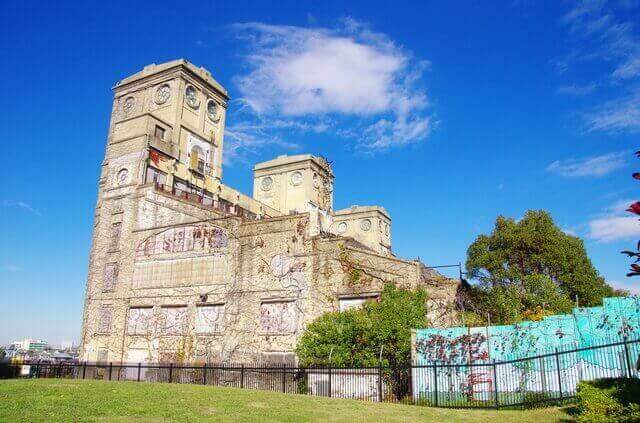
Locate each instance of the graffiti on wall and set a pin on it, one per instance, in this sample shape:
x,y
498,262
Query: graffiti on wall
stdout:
x,y
586,326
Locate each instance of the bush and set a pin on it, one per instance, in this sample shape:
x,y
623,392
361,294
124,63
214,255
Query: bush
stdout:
x,y
609,400
533,399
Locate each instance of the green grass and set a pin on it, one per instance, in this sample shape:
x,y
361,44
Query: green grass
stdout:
x,y
50,400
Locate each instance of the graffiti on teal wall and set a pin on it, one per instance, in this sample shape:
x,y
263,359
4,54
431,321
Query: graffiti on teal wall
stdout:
x,y
616,319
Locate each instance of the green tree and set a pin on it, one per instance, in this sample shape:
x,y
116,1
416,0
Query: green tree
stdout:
x,y
531,263
355,337
359,337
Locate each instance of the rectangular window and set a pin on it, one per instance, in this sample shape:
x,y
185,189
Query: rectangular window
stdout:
x,y
155,175
103,355
174,320
116,229
159,133
104,319
348,303
210,318
139,322
278,317
110,277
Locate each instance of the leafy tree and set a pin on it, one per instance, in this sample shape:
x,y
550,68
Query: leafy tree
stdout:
x,y
354,337
529,264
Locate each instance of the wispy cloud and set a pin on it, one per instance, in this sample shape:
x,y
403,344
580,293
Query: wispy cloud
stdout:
x,y
604,32
10,267
589,166
577,90
614,224
616,115
21,205
361,81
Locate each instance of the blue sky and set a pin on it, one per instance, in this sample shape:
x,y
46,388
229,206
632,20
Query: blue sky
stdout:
x,y
448,114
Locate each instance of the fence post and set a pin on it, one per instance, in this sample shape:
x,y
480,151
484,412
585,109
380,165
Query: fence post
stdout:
x,y
626,357
170,371
284,378
204,374
435,382
84,368
558,370
495,384
139,369
379,382
330,380
110,367
242,375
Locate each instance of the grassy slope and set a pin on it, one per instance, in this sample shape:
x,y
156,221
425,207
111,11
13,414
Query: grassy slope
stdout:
x,y
69,400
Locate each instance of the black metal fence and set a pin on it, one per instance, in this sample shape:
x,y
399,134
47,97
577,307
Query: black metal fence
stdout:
x,y
547,378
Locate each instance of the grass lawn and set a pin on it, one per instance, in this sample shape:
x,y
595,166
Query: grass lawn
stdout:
x,y
49,400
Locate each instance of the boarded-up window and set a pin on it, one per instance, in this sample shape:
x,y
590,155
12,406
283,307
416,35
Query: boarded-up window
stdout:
x,y
139,322
278,317
104,319
116,229
354,302
110,277
174,320
102,356
210,318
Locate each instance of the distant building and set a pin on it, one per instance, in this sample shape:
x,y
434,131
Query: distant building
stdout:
x,y
30,345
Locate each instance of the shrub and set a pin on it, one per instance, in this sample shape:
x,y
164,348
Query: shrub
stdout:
x,y
609,400
536,399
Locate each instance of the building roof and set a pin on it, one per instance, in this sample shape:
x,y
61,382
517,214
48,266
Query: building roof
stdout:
x,y
361,209
152,69
285,160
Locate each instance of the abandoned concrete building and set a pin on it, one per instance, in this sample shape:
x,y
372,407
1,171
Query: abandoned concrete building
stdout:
x,y
183,267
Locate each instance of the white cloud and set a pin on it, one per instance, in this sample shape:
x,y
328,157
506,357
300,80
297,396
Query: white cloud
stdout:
x,y
577,89
606,33
615,224
617,115
361,81
21,205
589,166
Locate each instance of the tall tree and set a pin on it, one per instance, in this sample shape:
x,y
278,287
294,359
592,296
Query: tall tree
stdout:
x,y
531,263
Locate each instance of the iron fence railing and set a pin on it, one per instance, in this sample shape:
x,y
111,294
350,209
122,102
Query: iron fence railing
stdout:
x,y
547,378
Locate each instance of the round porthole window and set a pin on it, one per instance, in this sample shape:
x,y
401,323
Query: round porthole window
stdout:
x,y
365,224
267,183
191,96
212,110
163,94
342,227
296,178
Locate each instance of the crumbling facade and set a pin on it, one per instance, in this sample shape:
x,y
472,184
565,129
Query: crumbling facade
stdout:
x,y
185,268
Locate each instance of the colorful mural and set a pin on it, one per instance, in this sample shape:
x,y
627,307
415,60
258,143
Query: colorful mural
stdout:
x,y
587,326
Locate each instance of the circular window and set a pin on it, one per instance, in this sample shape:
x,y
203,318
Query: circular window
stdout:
x,y
365,224
316,180
342,227
296,178
163,94
122,176
192,97
386,228
212,110
129,104
267,183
